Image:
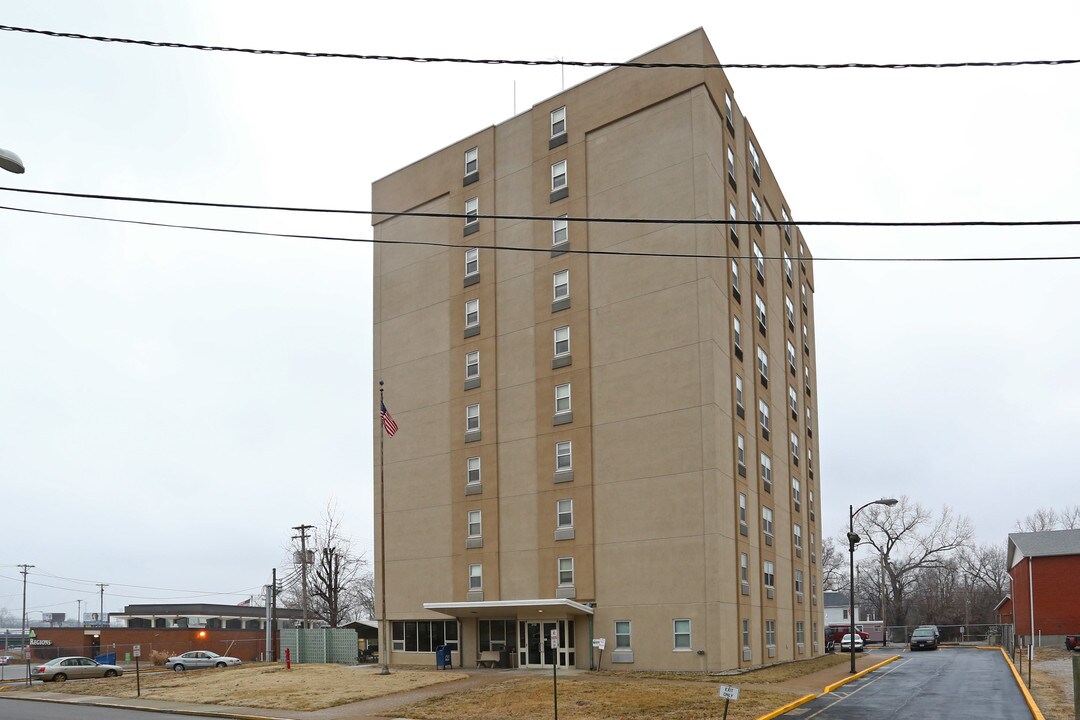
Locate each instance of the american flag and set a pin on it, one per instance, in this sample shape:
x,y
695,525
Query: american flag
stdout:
x,y
388,422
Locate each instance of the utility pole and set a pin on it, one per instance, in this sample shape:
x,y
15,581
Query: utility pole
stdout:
x,y
78,612
101,612
273,616
302,537
25,641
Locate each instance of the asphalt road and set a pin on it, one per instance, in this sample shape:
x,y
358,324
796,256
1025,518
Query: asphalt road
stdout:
x,y
957,684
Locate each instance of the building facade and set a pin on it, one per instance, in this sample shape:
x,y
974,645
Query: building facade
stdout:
x,y
595,442
1044,568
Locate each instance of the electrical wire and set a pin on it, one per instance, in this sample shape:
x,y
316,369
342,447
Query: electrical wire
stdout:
x,y
548,218
546,62
242,591
613,253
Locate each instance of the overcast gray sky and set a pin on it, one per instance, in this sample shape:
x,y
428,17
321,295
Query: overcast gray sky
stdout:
x,y
172,402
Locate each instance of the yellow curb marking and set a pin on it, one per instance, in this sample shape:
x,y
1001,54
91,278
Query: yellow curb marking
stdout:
x,y
1020,682
861,673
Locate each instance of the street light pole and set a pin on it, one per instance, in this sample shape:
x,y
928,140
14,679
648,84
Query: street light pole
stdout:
x,y
853,540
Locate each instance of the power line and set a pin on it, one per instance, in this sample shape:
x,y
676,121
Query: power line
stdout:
x,y
613,253
546,62
243,591
545,218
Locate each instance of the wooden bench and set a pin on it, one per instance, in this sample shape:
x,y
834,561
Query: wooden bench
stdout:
x,y
489,659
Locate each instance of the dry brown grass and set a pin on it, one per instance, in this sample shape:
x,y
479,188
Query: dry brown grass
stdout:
x,y
763,676
1051,683
589,698
305,687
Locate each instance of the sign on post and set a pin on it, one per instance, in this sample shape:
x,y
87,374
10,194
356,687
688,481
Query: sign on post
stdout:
x,y
554,639
728,693
136,650
599,643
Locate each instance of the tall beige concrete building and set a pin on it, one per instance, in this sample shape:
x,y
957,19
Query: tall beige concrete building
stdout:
x,y
592,441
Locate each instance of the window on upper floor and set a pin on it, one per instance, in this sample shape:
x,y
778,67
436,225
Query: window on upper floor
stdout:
x,y
739,395
472,210
736,334
735,278
755,206
744,567
472,470
766,472
767,520
561,284
796,492
795,447
759,309
799,581
563,456
472,364
472,261
743,527
560,230
787,223
791,357
789,312
476,576
562,340
763,365
472,160
733,215
472,313
787,267
740,454
562,398
768,572
558,121
472,418
731,165
729,114
566,571
475,528
763,418
564,513
793,401
759,262
755,160
796,532
558,175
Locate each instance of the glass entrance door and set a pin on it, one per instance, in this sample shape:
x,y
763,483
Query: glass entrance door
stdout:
x,y
534,643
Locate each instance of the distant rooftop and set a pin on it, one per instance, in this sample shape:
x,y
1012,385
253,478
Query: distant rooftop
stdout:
x,y
1043,544
209,609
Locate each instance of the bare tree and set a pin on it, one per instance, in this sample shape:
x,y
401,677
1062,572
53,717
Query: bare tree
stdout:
x,y
911,538
1069,517
1041,520
833,575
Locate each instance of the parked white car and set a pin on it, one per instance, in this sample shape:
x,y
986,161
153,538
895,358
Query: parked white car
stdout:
x,y
197,659
845,643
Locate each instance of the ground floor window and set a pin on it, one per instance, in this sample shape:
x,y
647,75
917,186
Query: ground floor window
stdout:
x,y
496,634
424,635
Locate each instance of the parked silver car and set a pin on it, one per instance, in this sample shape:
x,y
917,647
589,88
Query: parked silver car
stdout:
x,y
73,668
200,659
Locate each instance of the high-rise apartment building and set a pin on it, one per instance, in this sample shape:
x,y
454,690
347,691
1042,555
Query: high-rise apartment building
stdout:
x,y
606,429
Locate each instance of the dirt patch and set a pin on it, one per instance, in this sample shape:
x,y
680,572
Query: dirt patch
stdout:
x,y
1051,680
585,698
304,687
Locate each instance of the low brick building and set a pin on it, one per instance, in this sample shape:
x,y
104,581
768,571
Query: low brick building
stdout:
x,y
1045,572
156,644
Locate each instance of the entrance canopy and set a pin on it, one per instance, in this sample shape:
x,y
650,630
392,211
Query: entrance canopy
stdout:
x,y
538,608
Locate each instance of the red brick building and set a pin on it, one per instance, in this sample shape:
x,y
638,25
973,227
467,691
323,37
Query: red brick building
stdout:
x,y
156,644
1045,571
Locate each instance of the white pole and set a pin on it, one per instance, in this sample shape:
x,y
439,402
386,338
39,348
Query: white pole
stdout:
x,y
1031,602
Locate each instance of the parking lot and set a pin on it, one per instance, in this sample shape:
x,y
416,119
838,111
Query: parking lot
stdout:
x,y
952,682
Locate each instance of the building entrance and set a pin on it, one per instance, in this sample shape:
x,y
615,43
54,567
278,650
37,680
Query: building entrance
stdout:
x,y
534,644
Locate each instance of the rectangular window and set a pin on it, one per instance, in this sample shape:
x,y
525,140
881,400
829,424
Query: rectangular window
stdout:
x,y
787,267
727,108
471,160
564,513
746,634
423,635
811,506
755,161
472,364
769,573
566,571
731,164
733,216
806,372
804,297
472,210
558,175
562,398
736,331
795,446
800,632
755,206
474,524
560,230
763,417
766,520
744,567
805,339
796,530
562,340
739,394
759,262
793,401
787,222
476,577
473,470
622,634
563,457
796,493
681,632
789,312
759,307
770,632
809,421
561,284
813,557
766,472
472,418
742,510
740,454
763,364
472,261
791,355
472,313
558,121
735,277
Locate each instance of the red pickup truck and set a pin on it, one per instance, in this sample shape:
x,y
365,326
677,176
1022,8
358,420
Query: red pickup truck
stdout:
x,y
1072,642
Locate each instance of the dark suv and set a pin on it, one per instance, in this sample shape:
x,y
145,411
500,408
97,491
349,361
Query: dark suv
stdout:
x,y
923,639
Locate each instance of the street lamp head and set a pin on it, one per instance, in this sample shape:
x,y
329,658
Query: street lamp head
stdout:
x,y
887,501
10,161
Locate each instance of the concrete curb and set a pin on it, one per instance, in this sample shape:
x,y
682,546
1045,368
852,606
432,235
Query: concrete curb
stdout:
x,y
1032,706
144,708
790,706
861,673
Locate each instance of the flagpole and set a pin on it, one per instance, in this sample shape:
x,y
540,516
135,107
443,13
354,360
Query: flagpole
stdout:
x,y
384,647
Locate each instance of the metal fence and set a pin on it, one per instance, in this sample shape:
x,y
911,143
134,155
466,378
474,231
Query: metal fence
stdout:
x,y
323,645
997,635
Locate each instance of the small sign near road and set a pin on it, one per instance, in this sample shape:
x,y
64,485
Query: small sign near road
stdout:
x,y
136,650
599,643
729,692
